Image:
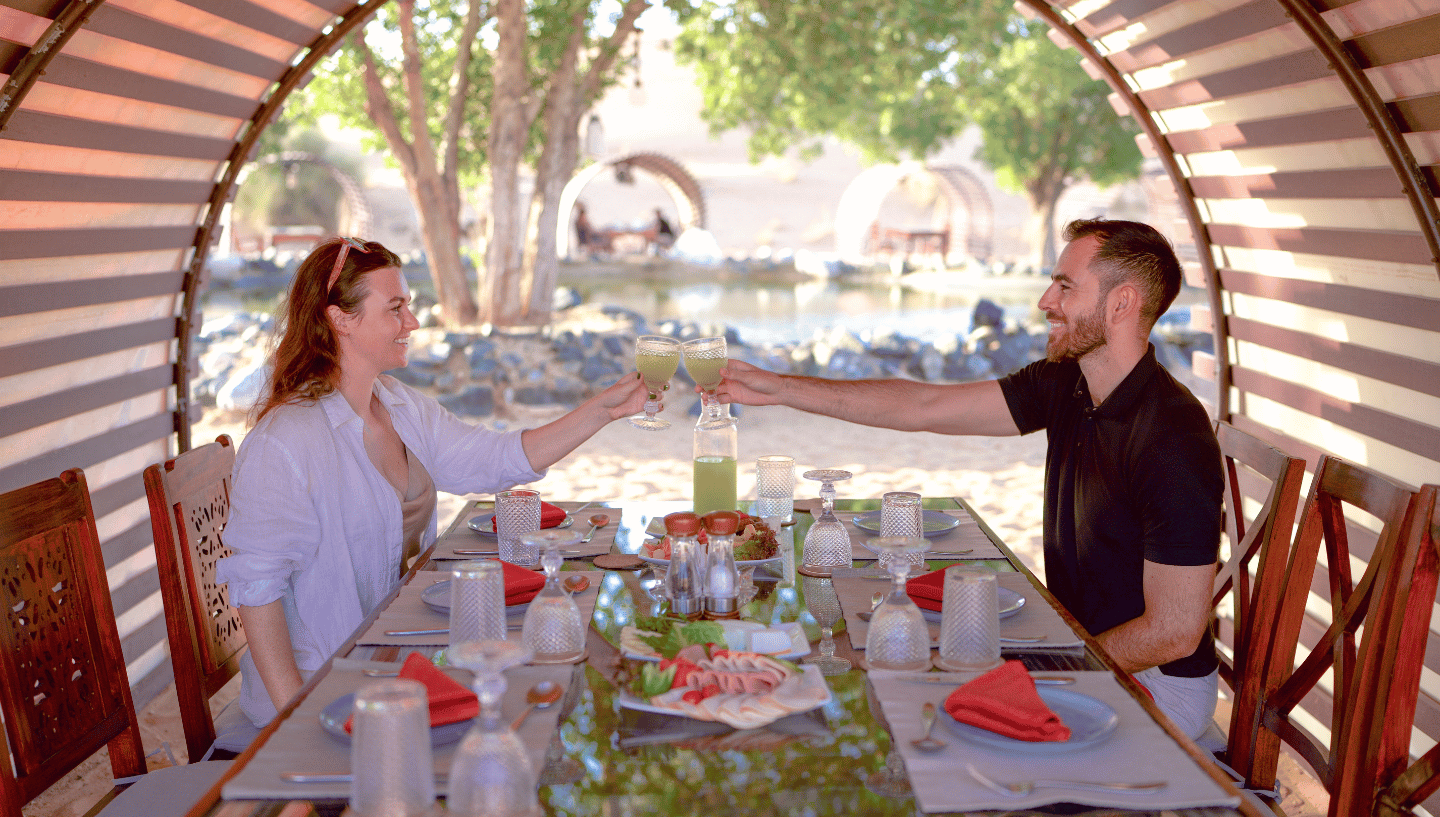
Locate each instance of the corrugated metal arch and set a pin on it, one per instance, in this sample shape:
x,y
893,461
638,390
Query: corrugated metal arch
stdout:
x,y
684,190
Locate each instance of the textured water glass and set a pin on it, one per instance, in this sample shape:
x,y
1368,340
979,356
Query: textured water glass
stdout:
x,y
827,543
775,488
970,620
553,630
390,751
901,515
516,514
477,602
898,638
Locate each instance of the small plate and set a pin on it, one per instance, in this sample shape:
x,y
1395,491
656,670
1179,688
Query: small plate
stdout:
x,y
737,637
437,598
484,524
333,717
1091,721
935,523
1010,604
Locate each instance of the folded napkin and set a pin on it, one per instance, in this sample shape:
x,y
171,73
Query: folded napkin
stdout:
x,y
550,516
449,700
521,585
1005,702
927,590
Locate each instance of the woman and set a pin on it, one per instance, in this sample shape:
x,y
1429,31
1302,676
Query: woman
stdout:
x,y
334,487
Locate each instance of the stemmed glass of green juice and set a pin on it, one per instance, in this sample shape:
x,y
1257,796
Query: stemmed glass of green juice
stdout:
x,y
656,358
703,359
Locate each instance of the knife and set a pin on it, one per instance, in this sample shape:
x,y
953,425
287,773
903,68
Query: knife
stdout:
x,y
935,678
497,553
343,777
440,630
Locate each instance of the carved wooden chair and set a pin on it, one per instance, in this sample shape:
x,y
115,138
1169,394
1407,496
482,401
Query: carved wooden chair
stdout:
x,y
63,685
1336,485
189,505
1259,544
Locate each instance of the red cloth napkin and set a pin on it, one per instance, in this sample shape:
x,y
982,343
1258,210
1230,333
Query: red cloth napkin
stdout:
x,y
521,585
550,516
927,590
450,701
1005,702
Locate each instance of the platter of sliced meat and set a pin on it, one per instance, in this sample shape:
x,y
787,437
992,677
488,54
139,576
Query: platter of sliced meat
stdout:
x,y
739,689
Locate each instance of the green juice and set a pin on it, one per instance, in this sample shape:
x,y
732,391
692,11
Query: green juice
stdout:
x,y
705,372
714,484
656,370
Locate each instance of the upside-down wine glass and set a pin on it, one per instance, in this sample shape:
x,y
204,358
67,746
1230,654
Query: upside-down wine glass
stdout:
x,y
553,629
824,604
656,358
491,773
898,638
827,543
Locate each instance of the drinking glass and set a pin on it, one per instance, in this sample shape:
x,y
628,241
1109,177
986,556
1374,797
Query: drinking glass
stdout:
x,y
969,620
900,515
656,358
775,488
390,751
516,514
477,602
703,359
898,638
553,630
824,604
827,543
491,774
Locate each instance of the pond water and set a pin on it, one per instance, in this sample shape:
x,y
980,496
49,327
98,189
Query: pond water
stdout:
x,y
772,308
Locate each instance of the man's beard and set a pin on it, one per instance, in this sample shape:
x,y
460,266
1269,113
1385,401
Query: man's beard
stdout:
x,y
1080,337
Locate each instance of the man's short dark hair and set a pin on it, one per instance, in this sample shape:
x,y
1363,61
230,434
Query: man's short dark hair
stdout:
x,y
1131,251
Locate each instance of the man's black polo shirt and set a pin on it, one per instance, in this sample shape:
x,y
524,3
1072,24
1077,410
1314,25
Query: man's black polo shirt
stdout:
x,y
1136,478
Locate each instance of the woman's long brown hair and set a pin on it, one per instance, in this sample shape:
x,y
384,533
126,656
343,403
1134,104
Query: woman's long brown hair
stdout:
x,y
307,355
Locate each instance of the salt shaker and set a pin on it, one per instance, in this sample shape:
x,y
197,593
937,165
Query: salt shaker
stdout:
x,y
722,579
685,579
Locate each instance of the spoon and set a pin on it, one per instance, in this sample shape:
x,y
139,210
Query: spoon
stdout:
x,y
927,718
540,696
575,584
875,601
597,522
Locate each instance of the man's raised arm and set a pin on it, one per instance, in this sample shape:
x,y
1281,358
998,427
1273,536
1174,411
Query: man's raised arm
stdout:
x,y
963,408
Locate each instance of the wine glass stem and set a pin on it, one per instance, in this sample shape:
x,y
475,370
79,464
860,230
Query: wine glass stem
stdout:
x,y
827,497
827,642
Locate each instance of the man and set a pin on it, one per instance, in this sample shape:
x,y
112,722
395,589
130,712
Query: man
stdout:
x,y
1132,472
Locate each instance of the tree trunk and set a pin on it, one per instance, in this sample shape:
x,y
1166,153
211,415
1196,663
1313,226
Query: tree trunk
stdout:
x,y
502,298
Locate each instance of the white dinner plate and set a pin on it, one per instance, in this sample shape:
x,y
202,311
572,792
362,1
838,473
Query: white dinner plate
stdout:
x,y
437,598
936,523
1010,604
333,717
810,678
484,523
1091,721
737,638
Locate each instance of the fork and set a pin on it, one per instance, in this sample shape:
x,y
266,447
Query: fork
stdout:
x,y
1023,787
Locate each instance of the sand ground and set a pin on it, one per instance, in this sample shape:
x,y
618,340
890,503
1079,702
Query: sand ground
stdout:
x,y
1002,478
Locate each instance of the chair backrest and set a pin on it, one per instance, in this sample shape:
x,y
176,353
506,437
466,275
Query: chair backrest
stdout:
x,y
189,505
63,686
1336,485
1379,744
1258,544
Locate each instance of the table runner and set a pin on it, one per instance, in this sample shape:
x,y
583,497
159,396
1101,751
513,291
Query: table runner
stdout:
x,y
462,537
1037,617
1139,750
300,744
409,612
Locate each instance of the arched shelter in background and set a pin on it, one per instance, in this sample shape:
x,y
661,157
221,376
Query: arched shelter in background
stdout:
x,y
353,220
1301,137
971,212
671,175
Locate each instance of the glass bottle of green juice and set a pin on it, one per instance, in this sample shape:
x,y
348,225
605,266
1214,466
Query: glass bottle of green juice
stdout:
x,y
716,447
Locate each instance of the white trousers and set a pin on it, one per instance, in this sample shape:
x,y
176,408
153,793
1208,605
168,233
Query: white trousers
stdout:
x,y
1189,702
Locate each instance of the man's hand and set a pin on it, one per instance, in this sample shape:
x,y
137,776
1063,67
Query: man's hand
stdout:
x,y
748,385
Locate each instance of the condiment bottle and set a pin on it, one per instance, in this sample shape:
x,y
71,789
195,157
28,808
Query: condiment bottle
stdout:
x,y
685,579
722,579
716,447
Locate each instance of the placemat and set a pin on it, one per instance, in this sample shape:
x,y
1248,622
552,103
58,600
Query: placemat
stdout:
x,y
463,538
856,587
300,744
409,612
1138,750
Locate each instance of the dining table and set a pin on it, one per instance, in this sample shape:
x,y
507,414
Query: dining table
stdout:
x,y
597,752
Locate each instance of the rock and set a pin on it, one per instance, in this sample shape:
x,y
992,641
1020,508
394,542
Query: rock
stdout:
x,y
891,344
597,367
968,367
566,298
986,313
929,364
532,395
848,364
242,388
416,376
476,401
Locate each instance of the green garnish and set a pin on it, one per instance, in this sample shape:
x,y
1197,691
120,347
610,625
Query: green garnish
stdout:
x,y
677,634
654,681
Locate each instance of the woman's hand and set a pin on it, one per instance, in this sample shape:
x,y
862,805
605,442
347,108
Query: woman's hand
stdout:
x,y
626,397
